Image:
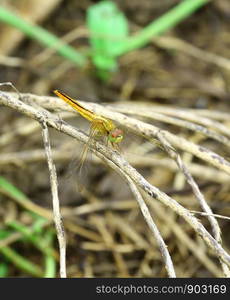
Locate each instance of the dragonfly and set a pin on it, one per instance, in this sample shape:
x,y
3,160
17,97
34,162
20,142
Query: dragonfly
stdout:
x,y
100,126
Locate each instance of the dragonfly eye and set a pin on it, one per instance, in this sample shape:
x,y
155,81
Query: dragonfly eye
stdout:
x,y
116,136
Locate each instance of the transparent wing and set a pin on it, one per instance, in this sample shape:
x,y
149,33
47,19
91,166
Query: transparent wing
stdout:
x,y
92,134
81,166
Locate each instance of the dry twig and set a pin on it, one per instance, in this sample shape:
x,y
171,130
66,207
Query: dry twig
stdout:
x,y
117,160
142,128
56,206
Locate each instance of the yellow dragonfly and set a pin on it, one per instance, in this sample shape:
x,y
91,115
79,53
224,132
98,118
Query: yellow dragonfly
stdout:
x,y
100,126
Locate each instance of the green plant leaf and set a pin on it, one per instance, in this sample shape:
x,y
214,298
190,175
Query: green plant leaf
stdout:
x,y
108,28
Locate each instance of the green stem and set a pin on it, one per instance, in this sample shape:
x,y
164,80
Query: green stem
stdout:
x,y
46,38
13,192
50,263
4,270
163,23
21,262
36,240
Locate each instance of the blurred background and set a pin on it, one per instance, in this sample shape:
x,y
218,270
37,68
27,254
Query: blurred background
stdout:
x,y
82,48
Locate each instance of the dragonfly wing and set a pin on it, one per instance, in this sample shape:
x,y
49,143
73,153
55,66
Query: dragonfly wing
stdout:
x,y
78,167
92,133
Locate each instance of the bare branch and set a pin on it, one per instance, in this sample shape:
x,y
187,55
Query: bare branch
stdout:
x,y
55,200
108,154
142,128
199,196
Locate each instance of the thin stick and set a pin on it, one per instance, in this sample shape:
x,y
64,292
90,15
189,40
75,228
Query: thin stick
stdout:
x,y
156,233
55,200
147,113
192,115
199,196
148,218
8,83
215,215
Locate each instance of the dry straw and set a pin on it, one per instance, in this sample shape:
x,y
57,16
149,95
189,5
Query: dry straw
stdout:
x,y
35,107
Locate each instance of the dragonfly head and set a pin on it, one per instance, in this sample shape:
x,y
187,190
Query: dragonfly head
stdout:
x,y
115,136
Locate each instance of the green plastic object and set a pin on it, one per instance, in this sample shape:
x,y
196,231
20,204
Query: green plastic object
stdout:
x,y
108,29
